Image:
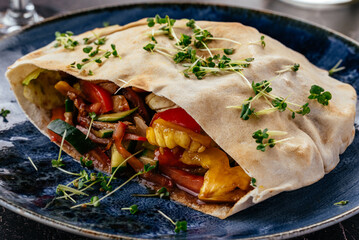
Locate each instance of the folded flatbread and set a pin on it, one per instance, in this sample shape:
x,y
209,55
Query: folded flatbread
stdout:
x,y
318,138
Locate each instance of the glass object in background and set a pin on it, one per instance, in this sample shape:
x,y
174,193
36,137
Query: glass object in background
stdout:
x,y
318,3
19,13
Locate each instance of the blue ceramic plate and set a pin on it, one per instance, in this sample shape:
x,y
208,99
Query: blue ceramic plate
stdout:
x,y
26,191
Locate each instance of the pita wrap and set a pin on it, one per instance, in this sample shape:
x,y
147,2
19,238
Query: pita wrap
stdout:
x,y
316,139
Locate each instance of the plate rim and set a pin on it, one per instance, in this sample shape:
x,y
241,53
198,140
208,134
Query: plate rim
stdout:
x,y
102,235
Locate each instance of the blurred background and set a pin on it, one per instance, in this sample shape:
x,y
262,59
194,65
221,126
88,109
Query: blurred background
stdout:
x,y
339,15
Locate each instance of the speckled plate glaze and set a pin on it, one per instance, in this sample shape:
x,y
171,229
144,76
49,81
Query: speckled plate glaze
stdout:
x,y
289,214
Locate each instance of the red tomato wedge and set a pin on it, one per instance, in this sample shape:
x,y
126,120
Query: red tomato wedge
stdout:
x,y
97,94
180,117
56,113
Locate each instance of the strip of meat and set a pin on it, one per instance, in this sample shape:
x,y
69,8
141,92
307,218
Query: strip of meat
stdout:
x,y
100,159
85,122
103,141
132,96
78,102
109,87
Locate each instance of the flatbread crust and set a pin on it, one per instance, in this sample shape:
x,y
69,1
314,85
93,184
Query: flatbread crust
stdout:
x,y
318,138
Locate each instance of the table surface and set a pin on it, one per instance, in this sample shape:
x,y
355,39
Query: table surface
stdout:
x,y
341,18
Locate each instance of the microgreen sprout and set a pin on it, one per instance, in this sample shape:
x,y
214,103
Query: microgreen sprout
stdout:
x,y
228,51
4,113
32,163
336,68
145,169
105,24
253,182
246,110
92,115
95,201
161,193
65,40
179,225
261,86
341,203
185,40
260,42
133,209
87,49
287,68
260,136
167,29
85,162
197,65
192,24
92,57
317,92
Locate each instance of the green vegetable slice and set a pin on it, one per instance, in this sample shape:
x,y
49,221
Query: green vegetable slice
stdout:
x,y
117,159
31,76
73,136
103,133
113,117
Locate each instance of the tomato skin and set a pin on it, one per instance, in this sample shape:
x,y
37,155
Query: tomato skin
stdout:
x,y
56,113
183,178
166,157
130,136
180,117
97,94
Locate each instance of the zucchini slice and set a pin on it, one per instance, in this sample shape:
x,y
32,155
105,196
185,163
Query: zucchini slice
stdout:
x,y
114,117
103,133
73,136
117,159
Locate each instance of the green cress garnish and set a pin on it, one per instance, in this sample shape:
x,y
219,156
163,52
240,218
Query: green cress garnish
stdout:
x,y
253,182
336,68
85,162
260,137
4,113
32,163
93,58
96,203
317,92
179,225
133,209
260,42
184,50
287,68
161,193
65,40
342,203
263,89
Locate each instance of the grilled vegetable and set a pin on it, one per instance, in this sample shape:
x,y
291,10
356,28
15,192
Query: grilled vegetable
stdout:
x,y
167,134
117,159
103,133
180,117
97,94
73,136
114,117
158,103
